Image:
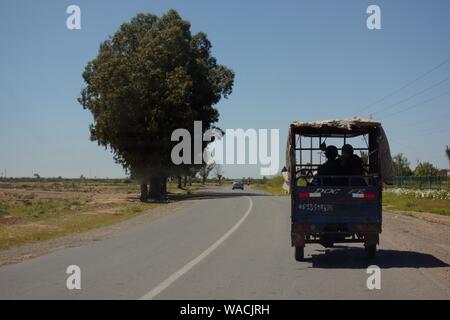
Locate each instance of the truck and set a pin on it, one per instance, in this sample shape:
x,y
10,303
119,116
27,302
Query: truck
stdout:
x,y
338,208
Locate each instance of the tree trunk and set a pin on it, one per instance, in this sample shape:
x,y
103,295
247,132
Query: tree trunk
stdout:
x,y
185,181
158,187
164,185
144,192
190,180
179,182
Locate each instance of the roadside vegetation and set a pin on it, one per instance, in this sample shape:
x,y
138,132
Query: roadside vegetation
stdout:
x,y
432,201
273,186
42,209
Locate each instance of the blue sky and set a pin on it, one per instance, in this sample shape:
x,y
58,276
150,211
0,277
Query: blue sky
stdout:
x,y
294,60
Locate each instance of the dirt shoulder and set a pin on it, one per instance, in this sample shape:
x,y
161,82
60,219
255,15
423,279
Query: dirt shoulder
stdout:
x,y
426,216
427,243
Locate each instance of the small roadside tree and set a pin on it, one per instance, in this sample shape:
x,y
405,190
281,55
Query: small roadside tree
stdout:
x,y
447,152
205,170
219,173
401,165
426,169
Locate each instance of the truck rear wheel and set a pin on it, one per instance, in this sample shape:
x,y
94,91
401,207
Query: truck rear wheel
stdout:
x,y
299,253
371,251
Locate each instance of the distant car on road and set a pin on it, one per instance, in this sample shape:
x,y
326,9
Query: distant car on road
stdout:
x,y
238,184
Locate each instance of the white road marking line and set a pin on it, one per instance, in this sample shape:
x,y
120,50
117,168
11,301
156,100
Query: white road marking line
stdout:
x,y
170,280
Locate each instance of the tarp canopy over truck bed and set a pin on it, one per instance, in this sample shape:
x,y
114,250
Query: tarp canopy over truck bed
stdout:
x,y
349,128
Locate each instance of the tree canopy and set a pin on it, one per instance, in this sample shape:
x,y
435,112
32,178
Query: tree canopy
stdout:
x,y
401,165
426,169
148,79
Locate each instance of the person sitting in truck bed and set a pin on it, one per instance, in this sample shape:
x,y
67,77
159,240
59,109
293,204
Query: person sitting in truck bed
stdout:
x,y
331,167
352,165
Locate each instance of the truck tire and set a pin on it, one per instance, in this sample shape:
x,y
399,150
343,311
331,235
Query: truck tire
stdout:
x,y
371,251
299,253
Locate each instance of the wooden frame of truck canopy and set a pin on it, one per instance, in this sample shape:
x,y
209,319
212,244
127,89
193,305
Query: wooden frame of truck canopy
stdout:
x,y
348,210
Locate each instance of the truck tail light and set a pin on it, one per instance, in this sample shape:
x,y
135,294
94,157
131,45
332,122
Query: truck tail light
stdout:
x,y
304,195
364,195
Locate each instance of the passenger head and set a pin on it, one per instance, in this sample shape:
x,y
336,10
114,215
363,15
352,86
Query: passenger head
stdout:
x,y
347,150
331,152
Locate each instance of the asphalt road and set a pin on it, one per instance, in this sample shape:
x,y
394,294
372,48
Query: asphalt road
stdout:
x,y
236,245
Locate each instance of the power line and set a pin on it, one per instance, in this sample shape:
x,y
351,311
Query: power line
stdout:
x,y
410,145
418,125
413,144
413,96
403,125
417,104
428,132
403,87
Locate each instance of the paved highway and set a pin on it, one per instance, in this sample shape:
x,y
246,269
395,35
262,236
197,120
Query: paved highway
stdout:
x,y
236,245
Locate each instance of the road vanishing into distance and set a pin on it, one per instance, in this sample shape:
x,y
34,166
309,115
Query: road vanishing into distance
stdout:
x,y
227,244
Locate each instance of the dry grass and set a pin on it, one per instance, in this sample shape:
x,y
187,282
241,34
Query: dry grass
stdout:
x,y
32,211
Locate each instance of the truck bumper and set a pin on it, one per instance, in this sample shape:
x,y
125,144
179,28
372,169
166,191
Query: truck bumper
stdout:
x,y
302,233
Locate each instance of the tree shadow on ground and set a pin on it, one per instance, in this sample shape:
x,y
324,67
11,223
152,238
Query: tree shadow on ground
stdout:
x,y
355,258
199,195
204,195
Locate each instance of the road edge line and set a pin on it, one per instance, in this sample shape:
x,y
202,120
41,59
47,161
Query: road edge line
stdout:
x,y
170,280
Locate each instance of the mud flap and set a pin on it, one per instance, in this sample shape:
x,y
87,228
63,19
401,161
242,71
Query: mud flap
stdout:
x,y
297,236
371,239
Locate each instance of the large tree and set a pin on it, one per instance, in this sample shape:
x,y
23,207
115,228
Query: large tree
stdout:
x,y
150,78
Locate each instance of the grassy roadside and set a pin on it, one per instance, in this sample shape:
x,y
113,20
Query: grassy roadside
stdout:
x,y
408,202
36,211
272,186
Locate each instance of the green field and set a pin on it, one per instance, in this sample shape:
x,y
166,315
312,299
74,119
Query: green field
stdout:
x,y
272,186
410,203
